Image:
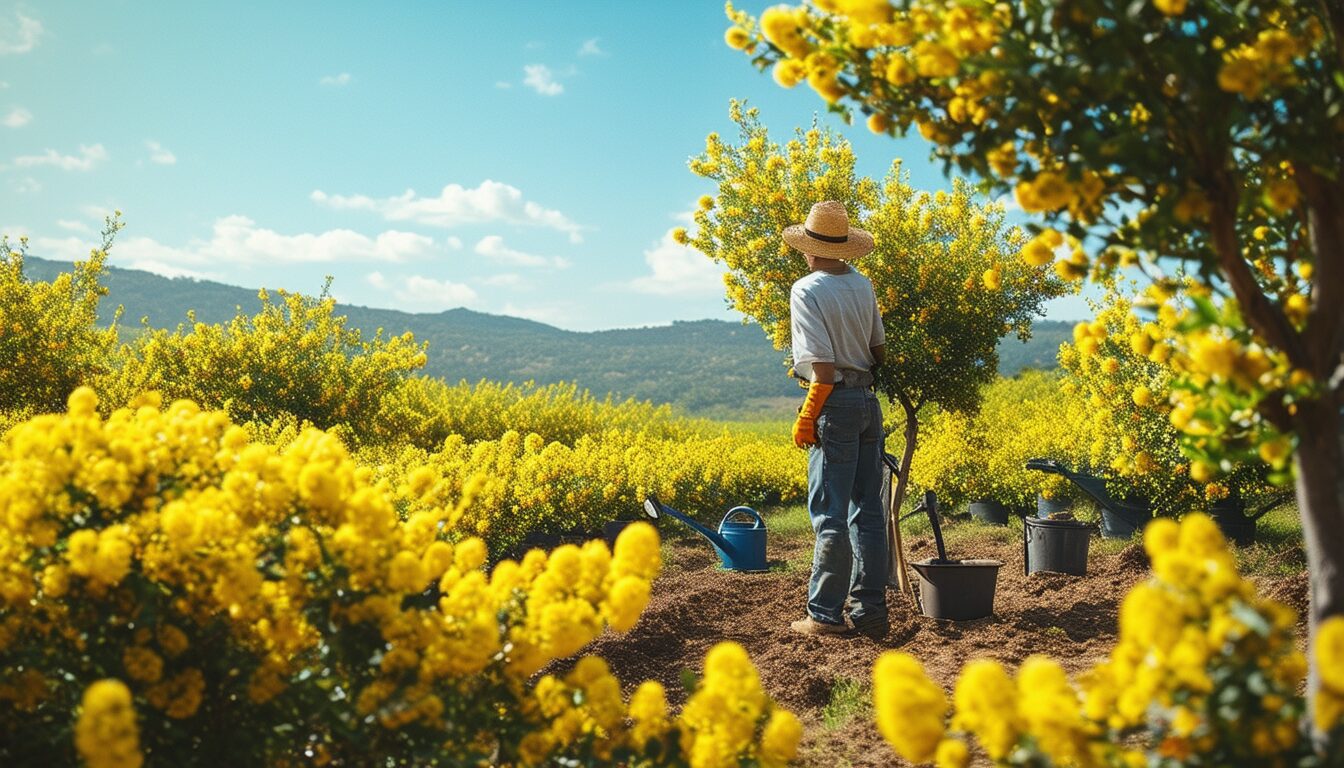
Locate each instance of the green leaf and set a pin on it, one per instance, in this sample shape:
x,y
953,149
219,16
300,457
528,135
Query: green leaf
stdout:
x,y
689,680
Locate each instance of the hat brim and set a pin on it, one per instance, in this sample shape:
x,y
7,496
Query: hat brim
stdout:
x,y
859,243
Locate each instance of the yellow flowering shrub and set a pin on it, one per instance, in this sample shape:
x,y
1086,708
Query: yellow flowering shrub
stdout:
x,y
544,486
1205,672
1133,373
172,587
983,455
50,342
294,358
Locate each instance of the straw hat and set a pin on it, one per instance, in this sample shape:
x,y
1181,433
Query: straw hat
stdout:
x,y
827,233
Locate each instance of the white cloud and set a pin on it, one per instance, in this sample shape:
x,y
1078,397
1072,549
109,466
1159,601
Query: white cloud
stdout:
x,y
454,242
17,118
237,240
336,81
1008,201
19,36
678,270
492,247
590,48
506,280
88,157
160,154
456,205
504,84
27,185
73,225
539,78
424,293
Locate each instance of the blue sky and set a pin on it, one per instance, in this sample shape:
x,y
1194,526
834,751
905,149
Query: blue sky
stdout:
x,y
515,158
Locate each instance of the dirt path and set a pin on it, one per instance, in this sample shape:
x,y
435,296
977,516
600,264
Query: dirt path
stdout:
x,y
696,604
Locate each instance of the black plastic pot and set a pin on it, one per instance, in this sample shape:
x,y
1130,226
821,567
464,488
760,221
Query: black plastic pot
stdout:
x,y
1230,515
989,511
1056,546
959,590
1122,519
613,529
1047,507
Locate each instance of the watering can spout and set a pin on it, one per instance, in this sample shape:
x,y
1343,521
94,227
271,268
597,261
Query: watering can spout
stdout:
x,y
656,509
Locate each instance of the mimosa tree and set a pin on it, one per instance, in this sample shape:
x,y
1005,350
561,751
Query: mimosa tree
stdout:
x,y
1207,134
945,271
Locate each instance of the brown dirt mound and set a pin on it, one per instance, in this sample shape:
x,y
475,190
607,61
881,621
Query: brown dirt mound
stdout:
x,y
695,605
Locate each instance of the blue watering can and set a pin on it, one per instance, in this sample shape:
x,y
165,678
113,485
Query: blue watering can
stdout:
x,y
740,543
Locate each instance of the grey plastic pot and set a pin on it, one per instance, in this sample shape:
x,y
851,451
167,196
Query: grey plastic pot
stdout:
x,y
1047,507
957,590
1056,546
989,511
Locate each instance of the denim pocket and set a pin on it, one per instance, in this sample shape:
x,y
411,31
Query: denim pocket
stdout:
x,y
838,432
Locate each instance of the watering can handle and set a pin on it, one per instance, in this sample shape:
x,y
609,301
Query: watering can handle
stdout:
x,y
746,511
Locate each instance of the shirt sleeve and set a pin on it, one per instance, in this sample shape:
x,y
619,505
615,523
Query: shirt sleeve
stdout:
x,y
811,342
878,336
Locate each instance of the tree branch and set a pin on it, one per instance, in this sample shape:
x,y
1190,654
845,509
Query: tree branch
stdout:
x,y
1264,316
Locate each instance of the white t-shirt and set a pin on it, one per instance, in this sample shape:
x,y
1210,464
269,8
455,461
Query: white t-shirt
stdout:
x,y
834,319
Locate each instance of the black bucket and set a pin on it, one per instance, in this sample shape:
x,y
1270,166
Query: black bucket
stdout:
x,y
989,511
1057,546
1230,515
957,590
1047,507
1123,519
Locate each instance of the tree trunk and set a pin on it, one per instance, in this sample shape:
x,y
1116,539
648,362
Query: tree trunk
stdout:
x,y
902,478
1320,497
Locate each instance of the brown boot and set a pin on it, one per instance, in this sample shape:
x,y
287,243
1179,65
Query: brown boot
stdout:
x,y
810,626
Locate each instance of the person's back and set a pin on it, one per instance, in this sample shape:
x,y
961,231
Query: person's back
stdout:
x,y
835,319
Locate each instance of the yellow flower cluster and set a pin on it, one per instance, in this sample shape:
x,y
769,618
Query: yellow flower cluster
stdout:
x,y
727,722
1328,707
928,42
908,707
106,734
1204,673
217,572
1265,62
719,724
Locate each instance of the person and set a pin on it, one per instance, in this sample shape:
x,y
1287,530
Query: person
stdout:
x,y
837,339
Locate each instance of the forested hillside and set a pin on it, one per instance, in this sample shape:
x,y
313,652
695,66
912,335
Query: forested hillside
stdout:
x,y
707,367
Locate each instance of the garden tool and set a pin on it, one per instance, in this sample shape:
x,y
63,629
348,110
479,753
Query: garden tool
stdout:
x,y
894,531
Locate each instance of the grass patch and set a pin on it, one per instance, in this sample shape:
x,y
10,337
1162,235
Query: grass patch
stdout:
x,y
1103,546
789,522
849,700
1278,548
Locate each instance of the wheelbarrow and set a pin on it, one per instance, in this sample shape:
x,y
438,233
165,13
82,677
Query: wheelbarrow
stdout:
x,y
959,590
739,541
1120,518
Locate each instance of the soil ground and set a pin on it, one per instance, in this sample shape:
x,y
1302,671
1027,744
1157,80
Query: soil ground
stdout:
x,y
825,681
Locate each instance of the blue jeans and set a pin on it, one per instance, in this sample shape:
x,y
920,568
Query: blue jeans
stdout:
x,y
844,500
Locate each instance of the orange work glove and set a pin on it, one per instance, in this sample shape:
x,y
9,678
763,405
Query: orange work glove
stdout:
x,y
805,426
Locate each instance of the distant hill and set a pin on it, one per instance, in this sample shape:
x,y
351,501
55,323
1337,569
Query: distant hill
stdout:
x,y
706,367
